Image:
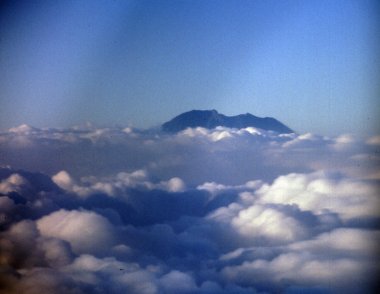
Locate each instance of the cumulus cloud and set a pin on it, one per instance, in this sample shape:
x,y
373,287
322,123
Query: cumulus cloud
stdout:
x,y
116,210
63,180
173,185
115,184
268,223
176,281
22,129
86,231
319,192
325,262
14,183
343,241
300,268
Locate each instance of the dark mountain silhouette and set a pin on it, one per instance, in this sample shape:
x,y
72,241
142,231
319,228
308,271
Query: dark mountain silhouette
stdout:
x,y
211,119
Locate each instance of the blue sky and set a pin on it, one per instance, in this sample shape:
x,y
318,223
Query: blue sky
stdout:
x,y
311,64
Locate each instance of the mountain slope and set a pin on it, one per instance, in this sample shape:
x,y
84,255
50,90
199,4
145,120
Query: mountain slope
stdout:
x,y
211,118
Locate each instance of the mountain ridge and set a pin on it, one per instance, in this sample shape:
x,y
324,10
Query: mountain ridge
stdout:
x,y
211,119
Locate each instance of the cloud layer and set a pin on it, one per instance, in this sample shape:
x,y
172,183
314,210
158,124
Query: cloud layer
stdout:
x,y
118,210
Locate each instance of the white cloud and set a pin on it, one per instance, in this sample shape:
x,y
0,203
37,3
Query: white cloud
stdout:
x,y
23,231
112,275
222,133
116,184
140,281
86,231
178,282
108,185
63,180
56,253
298,268
223,155
307,140
347,241
328,259
216,188
319,192
375,140
213,187
259,222
22,129
225,214
343,141
14,183
255,211
173,185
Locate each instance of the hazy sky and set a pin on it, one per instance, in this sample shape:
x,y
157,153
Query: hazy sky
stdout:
x,y
311,64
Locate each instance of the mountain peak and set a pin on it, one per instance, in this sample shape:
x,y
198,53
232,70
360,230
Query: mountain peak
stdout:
x,y
211,119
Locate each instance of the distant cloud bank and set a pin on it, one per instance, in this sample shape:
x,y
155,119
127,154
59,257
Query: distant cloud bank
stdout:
x,y
118,210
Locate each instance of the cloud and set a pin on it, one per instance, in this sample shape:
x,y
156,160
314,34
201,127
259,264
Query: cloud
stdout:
x,y
22,129
176,281
115,210
268,223
375,140
325,261
342,240
113,185
14,183
56,252
63,180
222,155
319,192
86,231
173,185
297,268
44,280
